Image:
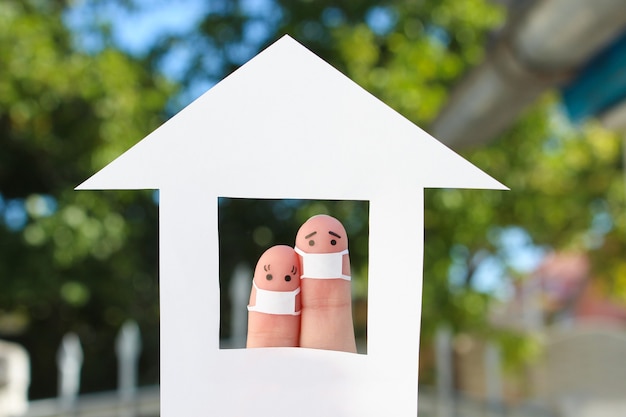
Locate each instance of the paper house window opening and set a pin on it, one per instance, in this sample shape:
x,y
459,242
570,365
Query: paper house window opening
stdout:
x,y
253,225
340,143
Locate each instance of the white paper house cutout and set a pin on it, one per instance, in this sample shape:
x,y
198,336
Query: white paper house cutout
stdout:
x,y
288,125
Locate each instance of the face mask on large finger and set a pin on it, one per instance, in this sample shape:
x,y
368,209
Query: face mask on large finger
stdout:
x,y
323,265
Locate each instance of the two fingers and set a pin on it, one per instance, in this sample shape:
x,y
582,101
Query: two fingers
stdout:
x,y
302,297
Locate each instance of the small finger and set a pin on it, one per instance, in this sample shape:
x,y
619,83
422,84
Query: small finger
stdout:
x,y
275,306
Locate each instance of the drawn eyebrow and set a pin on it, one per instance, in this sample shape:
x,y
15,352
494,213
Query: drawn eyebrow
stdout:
x,y
334,234
266,267
309,235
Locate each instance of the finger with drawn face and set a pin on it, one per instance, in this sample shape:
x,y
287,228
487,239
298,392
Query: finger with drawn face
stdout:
x,y
326,322
275,305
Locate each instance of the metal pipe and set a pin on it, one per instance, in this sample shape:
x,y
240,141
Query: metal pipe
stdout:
x,y
541,47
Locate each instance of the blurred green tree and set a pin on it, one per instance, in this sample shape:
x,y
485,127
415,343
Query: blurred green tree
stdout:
x,y
71,261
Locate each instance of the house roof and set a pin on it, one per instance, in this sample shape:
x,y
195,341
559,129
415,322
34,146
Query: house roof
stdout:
x,y
288,124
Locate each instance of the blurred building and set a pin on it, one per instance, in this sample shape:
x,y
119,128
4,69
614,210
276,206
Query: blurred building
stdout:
x,y
581,331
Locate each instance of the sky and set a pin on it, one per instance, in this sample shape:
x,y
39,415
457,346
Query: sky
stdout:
x,y
135,31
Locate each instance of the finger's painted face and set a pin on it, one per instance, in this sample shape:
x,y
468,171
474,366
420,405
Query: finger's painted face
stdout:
x,y
278,269
322,234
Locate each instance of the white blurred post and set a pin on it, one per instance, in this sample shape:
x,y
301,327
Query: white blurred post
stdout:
x,y
443,362
532,314
127,349
493,382
69,362
240,285
14,379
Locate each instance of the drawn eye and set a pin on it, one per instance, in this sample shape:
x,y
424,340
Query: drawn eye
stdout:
x,y
333,242
287,278
311,242
268,277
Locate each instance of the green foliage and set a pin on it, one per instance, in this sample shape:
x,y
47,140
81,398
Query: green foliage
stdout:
x,y
74,261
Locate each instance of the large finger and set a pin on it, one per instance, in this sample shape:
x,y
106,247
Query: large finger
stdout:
x,y
275,306
326,322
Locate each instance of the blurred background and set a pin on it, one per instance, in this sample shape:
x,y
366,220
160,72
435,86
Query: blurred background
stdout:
x,y
524,304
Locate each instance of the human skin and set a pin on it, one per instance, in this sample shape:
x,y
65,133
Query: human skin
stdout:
x,y
278,269
326,320
326,303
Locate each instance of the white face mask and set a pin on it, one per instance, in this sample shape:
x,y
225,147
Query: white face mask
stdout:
x,y
275,302
323,265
